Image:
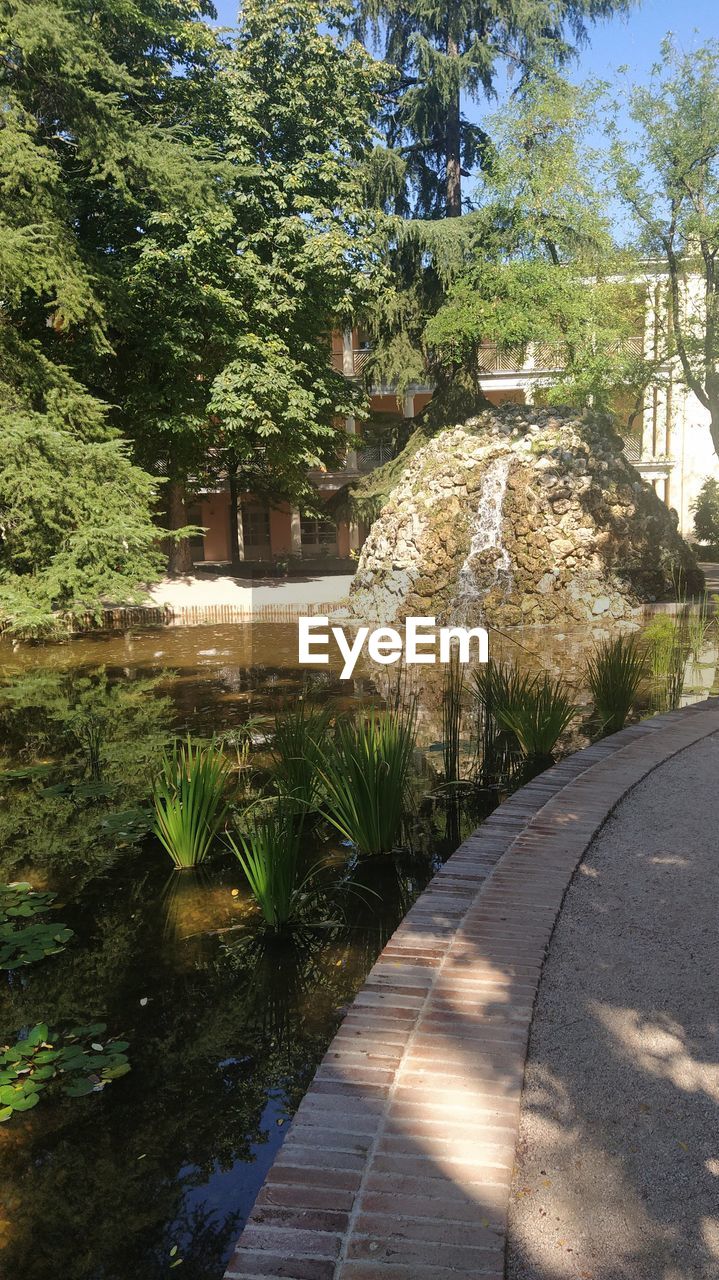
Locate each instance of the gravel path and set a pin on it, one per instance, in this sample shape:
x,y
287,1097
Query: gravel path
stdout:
x,y
617,1171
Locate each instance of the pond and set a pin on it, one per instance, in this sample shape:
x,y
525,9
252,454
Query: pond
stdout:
x,y
224,1028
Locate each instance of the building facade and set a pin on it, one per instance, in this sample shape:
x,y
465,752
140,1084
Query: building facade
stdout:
x,y
670,445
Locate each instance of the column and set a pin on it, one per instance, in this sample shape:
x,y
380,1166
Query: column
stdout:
x,y
295,532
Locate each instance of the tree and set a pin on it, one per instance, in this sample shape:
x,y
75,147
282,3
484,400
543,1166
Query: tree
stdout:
x,y
301,104
667,174
541,265
222,366
447,50
706,512
96,140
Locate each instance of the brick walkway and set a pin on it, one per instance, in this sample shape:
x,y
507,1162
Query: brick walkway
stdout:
x,y
397,1165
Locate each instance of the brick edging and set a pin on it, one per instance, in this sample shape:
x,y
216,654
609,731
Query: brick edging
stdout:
x,y
398,1163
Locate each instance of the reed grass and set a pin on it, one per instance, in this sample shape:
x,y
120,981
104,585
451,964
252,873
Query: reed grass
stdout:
x,y
535,709
614,673
300,731
453,690
365,773
269,854
189,801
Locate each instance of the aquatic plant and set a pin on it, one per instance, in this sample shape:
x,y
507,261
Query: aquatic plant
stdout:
x,y
453,686
365,772
269,853
241,740
25,943
75,1060
536,709
667,639
189,799
700,622
297,749
614,673
498,752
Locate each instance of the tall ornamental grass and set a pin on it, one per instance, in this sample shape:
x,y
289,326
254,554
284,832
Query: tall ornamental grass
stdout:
x,y
365,774
535,709
614,673
189,800
269,854
452,710
300,731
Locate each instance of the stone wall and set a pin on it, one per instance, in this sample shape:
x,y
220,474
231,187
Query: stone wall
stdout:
x,y
521,515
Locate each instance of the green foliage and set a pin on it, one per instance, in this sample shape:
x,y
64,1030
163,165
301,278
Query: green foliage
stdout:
x,y
535,709
614,673
75,1061
300,731
90,151
453,689
668,642
706,512
189,800
77,525
301,252
445,53
365,773
666,171
21,943
269,854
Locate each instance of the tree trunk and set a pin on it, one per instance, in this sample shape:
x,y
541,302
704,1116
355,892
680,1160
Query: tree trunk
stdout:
x,y
234,519
179,561
453,207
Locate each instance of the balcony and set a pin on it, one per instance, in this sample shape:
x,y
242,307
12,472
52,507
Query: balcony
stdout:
x,y
351,362
533,358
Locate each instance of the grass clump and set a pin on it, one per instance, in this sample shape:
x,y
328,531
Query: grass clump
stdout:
x,y
365,772
534,709
300,731
614,673
452,711
189,801
270,856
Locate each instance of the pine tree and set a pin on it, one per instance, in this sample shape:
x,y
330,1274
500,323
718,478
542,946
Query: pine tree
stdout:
x,y
445,51
79,151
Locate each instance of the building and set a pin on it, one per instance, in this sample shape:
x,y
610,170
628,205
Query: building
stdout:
x,y
670,445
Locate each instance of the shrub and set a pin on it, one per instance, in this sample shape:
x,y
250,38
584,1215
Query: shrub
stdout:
x,y
365,772
189,799
614,672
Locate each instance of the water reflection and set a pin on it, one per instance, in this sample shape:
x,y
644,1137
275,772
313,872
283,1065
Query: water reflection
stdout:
x,y
225,1027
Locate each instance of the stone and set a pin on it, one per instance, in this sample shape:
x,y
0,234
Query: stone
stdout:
x,y
482,529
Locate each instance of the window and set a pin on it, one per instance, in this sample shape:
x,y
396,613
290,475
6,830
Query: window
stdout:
x,y
197,541
255,525
318,535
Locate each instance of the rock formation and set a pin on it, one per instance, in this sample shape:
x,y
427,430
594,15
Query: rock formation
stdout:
x,y
521,515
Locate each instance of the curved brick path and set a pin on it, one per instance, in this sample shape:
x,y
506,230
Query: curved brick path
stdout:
x,y
398,1163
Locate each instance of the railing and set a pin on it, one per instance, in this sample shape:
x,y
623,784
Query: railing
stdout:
x,y
373,455
351,362
535,357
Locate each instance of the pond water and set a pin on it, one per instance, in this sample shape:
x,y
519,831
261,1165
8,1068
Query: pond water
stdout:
x,y
159,1170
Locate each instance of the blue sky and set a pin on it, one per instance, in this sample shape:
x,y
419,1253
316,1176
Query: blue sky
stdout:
x,y
633,41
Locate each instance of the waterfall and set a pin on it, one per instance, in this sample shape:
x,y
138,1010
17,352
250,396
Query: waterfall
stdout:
x,y
487,534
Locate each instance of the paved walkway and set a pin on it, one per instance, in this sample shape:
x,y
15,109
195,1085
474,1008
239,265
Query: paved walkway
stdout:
x,y
617,1170
399,1161
207,591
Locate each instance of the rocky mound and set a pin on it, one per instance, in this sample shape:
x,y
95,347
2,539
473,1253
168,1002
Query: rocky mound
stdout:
x,y
521,515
